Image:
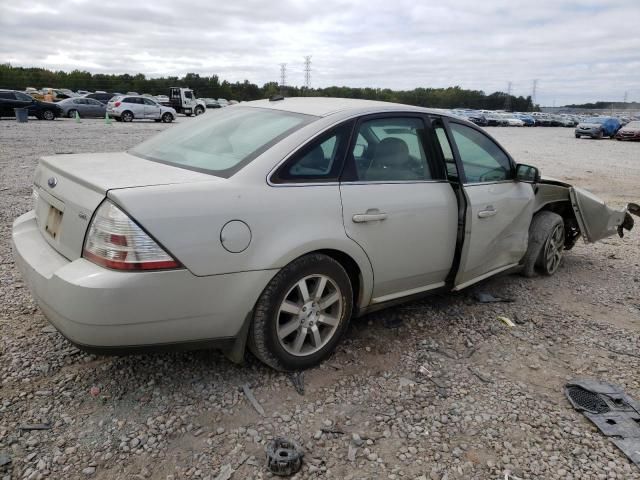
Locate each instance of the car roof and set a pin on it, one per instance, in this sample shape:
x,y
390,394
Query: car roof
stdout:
x,y
325,106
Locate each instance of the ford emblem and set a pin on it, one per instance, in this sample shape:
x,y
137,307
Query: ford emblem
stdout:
x,y
52,182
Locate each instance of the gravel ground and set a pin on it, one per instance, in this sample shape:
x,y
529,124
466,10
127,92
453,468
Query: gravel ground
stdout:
x,y
436,389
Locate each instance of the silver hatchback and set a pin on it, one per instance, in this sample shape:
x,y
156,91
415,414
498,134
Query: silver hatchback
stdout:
x,y
271,224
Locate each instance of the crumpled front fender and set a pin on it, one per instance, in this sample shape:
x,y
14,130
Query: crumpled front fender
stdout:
x,y
595,219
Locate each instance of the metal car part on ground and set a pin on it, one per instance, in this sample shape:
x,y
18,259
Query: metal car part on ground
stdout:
x,y
609,408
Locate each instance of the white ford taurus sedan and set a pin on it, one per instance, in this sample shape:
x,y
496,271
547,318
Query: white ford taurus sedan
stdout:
x,y
271,224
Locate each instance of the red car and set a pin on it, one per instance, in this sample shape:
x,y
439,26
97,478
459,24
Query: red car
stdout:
x,y
631,131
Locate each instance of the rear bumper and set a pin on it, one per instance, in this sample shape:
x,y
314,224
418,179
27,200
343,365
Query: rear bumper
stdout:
x,y
104,310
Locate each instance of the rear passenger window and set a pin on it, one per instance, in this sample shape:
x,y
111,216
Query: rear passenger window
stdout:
x,y
319,161
482,159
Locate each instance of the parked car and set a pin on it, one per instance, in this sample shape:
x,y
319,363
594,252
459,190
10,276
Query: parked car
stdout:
x,y
272,223
127,108
475,117
631,131
511,120
496,120
528,120
210,103
10,99
598,127
52,94
162,99
85,107
223,102
102,97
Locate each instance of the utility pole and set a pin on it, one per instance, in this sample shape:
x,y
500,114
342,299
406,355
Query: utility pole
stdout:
x,y
507,100
533,94
283,77
626,96
307,71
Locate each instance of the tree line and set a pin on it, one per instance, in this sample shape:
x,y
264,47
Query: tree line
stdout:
x,y
19,78
605,105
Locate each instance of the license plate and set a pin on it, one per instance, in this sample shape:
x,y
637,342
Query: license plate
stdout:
x,y
54,219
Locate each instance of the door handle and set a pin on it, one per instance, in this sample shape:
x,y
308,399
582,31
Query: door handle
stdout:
x,y
372,215
489,212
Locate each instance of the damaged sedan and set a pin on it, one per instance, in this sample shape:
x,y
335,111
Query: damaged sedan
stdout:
x,y
271,224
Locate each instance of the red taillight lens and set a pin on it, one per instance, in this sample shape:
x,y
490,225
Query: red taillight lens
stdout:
x,y
117,104
117,242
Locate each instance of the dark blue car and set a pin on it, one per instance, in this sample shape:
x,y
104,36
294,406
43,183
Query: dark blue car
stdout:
x,y
598,127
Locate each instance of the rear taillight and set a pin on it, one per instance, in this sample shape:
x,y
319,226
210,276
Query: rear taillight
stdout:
x,y
117,104
115,241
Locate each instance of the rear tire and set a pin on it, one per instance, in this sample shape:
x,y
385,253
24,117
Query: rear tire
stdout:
x,y
577,136
127,116
302,313
546,244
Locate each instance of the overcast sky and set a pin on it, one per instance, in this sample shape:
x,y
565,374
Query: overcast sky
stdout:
x,y
583,50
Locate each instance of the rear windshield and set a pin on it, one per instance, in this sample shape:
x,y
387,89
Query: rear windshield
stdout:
x,y
221,142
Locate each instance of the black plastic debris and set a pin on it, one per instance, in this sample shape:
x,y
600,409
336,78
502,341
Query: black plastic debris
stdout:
x,y
284,457
615,413
483,297
35,426
297,379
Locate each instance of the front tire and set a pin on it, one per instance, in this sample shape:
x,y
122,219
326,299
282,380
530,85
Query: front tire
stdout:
x,y
71,113
48,115
199,111
167,118
546,244
302,313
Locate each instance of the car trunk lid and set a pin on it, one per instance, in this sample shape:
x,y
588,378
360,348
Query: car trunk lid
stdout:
x,y
69,188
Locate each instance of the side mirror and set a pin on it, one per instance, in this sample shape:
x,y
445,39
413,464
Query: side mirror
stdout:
x,y
527,173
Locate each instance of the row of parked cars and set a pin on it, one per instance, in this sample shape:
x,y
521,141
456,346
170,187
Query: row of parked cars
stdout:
x,y
490,118
612,127
49,104
620,127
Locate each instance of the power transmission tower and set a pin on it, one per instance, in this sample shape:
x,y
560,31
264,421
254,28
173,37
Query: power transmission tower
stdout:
x,y
307,71
626,96
533,94
283,77
507,100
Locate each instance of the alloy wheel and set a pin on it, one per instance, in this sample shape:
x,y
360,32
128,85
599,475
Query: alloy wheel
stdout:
x,y
309,315
553,249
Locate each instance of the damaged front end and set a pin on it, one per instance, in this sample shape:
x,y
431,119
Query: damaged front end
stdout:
x,y
589,215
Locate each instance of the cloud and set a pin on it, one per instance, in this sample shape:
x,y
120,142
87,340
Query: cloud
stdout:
x,y
579,51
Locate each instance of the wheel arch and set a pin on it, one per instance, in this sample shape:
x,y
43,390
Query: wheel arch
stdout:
x,y
351,257
565,210
353,270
